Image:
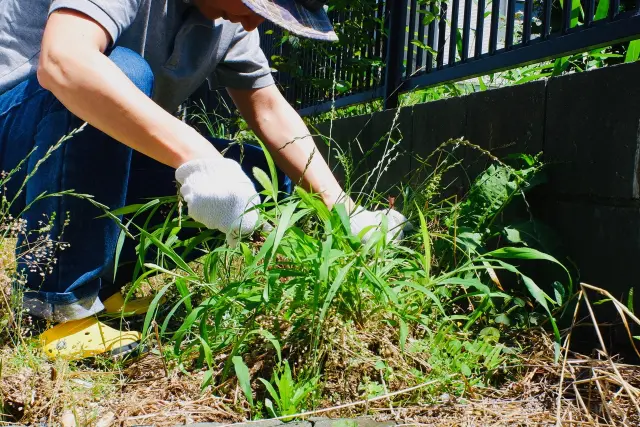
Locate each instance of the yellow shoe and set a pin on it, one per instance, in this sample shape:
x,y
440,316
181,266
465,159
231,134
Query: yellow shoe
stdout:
x,y
83,338
115,304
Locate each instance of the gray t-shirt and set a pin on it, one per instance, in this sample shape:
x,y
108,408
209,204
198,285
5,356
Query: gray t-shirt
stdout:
x,y
182,47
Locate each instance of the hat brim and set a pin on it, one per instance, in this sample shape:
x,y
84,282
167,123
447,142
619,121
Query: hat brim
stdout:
x,y
293,17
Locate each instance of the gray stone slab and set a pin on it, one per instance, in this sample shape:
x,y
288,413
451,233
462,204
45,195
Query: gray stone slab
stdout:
x,y
262,423
346,422
592,132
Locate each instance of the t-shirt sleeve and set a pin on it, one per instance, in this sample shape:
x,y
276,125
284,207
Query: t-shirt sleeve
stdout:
x,y
244,65
114,15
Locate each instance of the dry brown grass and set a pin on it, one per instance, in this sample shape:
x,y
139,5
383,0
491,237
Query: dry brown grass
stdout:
x,y
579,390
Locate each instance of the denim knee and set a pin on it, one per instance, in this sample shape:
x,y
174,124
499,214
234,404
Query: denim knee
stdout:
x,y
135,67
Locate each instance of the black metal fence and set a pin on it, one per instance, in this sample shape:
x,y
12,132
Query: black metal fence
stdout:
x,y
423,43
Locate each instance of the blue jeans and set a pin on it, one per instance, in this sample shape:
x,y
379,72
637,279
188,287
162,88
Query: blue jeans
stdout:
x,y
89,163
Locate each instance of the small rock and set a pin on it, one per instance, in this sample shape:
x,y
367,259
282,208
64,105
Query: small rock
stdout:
x,y
107,420
68,419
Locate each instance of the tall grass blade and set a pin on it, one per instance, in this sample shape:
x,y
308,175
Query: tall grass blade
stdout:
x,y
531,254
340,277
168,252
427,244
244,379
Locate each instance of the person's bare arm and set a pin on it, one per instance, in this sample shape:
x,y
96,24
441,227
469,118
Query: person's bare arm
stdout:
x,y
74,68
289,141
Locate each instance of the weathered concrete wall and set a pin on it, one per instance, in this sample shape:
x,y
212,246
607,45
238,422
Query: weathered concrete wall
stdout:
x,y
588,127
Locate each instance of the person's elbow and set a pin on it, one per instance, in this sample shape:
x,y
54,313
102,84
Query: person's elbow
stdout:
x,y
69,43
54,68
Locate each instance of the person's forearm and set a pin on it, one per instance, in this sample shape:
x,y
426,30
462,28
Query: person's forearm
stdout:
x,y
290,143
96,90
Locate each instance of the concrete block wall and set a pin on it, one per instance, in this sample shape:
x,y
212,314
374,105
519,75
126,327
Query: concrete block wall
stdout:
x,y
588,127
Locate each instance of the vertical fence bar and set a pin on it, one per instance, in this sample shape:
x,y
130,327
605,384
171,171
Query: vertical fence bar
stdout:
x,y
546,18
310,67
397,21
566,16
453,37
384,45
495,20
368,55
308,87
341,55
526,29
480,28
442,34
589,10
348,68
304,85
466,30
413,6
380,51
421,27
511,12
432,37
614,8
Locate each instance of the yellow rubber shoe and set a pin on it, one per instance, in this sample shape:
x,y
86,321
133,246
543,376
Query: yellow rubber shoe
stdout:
x,y
115,304
79,339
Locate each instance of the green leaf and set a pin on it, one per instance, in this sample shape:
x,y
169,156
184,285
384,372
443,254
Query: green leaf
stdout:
x,y
321,209
244,379
630,301
503,319
151,313
119,245
138,208
425,291
340,277
513,235
483,86
527,253
426,241
602,11
633,51
181,285
560,65
273,340
272,170
284,223
343,86
424,46
466,371
168,252
559,292
269,405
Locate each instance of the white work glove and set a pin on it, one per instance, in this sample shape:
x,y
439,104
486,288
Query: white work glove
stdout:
x,y
396,223
217,193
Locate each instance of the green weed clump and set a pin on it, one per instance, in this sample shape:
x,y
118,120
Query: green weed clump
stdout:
x,y
306,315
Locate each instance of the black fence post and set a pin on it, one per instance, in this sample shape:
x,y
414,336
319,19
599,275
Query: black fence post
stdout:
x,y
397,22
